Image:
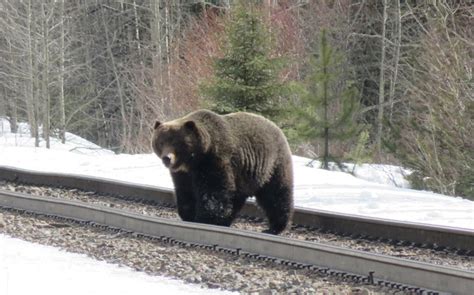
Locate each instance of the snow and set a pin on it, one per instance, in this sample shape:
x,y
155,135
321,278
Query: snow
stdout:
x,y
344,193
378,191
28,268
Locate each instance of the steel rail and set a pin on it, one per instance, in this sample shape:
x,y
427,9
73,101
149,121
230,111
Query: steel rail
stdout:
x,y
308,254
345,224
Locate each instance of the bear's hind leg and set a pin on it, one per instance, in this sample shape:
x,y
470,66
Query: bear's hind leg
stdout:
x,y
276,199
239,202
184,196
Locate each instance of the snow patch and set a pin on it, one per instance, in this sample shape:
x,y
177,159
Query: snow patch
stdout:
x,y
28,268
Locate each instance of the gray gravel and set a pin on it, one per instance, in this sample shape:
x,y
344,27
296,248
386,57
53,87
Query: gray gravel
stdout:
x,y
444,258
205,268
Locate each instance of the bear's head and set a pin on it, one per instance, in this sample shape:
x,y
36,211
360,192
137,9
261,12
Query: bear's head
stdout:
x,y
178,143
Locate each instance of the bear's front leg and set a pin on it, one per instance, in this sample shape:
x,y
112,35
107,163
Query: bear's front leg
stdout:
x,y
184,195
215,192
215,207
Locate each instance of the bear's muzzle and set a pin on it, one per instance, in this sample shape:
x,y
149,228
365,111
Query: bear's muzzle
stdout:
x,y
169,160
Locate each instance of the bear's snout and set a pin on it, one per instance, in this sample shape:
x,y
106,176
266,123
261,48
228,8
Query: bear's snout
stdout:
x,y
168,160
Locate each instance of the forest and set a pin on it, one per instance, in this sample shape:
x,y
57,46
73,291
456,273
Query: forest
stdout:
x,y
361,81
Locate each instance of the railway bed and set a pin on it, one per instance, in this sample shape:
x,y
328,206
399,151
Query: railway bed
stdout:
x,y
191,263
347,264
395,232
444,257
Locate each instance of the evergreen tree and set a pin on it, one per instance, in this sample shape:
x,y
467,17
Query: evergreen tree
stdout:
x,y
325,112
246,77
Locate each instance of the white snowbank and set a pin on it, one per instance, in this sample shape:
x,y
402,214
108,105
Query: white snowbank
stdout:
x,y
28,268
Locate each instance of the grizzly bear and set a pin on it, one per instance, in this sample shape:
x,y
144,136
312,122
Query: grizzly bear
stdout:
x,y
218,161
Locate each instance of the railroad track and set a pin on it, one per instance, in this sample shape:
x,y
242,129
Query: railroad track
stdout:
x,y
347,264
427,236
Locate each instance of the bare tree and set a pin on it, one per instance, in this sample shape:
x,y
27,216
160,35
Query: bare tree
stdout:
x,y
396,58
435,130
62,49
32,102
46,15
115,71
380,114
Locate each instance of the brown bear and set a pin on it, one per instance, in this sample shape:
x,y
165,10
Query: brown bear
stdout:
x,y
218,161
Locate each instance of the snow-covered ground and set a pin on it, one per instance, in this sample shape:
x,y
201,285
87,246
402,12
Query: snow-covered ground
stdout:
x,y
28,268
378,190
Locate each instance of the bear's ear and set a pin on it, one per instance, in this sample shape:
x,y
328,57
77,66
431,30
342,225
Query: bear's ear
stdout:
x,y
201,133
190,125
157,124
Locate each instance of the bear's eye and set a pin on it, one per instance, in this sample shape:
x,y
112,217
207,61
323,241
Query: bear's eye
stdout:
x,y
157,149
188,140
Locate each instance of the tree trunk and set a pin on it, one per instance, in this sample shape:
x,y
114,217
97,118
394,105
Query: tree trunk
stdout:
x,y
156,39
326,148
396,59
380,114
325,59
45,77
168,24
62,110
31,104
119,85
137,30
12,107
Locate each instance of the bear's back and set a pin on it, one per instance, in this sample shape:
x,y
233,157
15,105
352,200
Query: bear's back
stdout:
x,y
259,146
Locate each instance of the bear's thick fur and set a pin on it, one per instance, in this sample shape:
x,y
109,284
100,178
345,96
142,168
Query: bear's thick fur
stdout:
x,y
218,161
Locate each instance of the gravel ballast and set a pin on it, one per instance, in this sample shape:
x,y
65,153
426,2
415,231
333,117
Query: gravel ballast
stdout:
x,y
206,268
444,258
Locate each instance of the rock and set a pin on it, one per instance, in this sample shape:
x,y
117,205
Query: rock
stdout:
x,y
2,222
211,285
316,285
360,291
196,279
275,284
42,224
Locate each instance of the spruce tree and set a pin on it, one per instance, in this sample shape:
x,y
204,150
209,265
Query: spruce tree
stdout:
x,y
325,112
246,77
